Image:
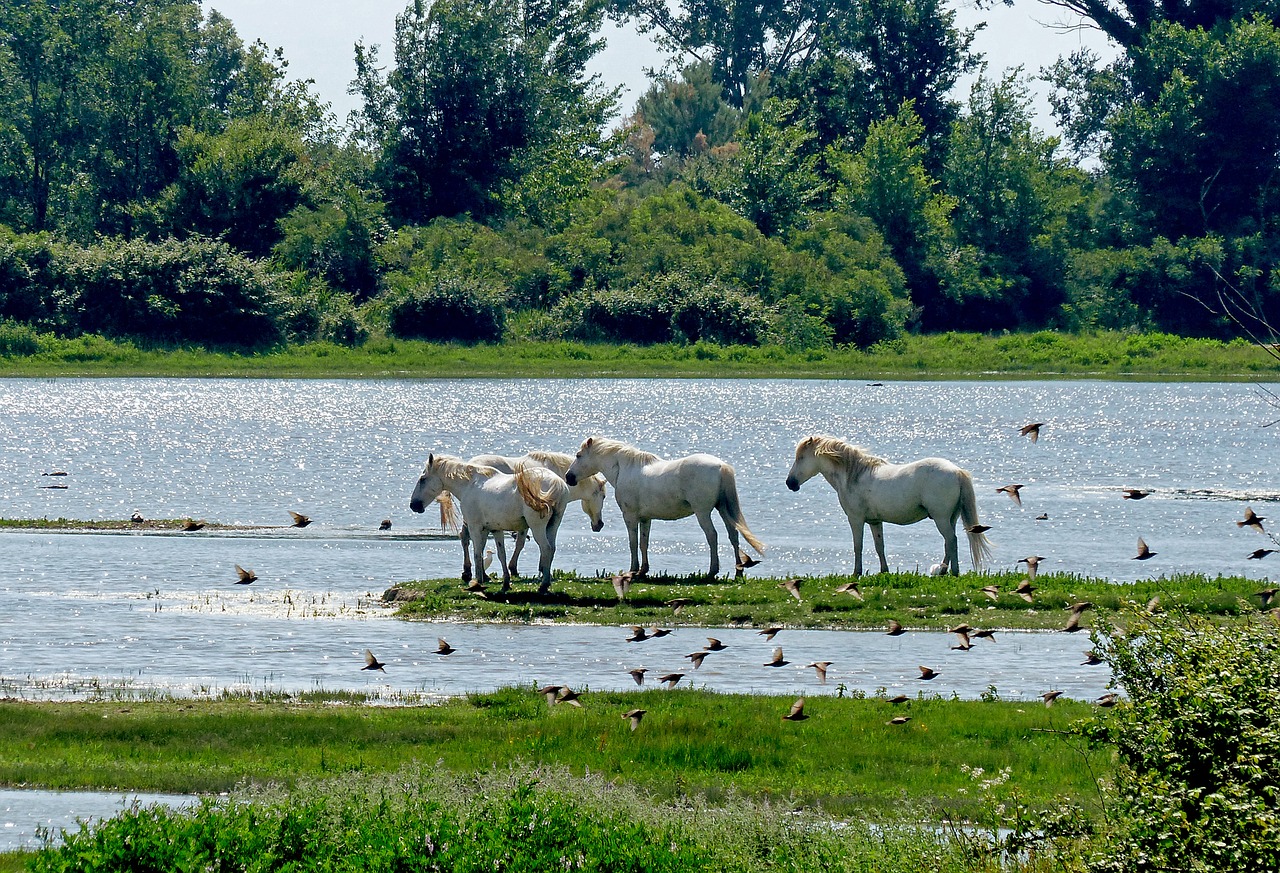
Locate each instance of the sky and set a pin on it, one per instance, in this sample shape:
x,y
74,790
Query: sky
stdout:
x,y
317,37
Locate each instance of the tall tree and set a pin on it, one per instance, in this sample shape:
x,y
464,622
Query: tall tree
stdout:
x,y
478,87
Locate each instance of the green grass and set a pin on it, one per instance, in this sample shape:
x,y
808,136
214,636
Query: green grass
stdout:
x,y
844,759
952,355
916,601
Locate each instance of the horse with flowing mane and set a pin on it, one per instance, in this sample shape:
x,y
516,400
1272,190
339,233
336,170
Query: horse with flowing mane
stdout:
x,y
648,487
873,491
533,499
591,491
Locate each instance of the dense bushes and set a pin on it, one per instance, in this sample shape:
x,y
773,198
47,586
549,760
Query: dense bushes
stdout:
x,y
1198,787
447,307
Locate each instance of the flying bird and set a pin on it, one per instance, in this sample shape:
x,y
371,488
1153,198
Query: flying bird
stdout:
x,y
746,562
622,584
656,632
1258,554
1025,590
1134,494
797,711
985,635
634,716
850,588
569,696
1144,551
1266,594
372,663
1251,519
190,525
792,585
245,577
978,528
928,673
714,645
299,520
551,692
1108,699
678,603
385,524
777,659
696,658
1073,622
1012,491
1031,430
1050,696
991,591
895,629
820,667
961,628
1033,565
899,719
444,648
964,644
1044,516
899,698
770,632
1091,659
638,674
638,634
671,679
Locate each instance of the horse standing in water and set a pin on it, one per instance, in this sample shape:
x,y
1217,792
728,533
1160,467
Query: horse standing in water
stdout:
x,y
532,500
873,491
648,487
591,491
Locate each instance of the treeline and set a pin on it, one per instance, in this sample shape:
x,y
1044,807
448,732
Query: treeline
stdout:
x,y
799,176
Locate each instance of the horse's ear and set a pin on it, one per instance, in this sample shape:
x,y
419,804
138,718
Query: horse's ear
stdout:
x,y
431,459
588,443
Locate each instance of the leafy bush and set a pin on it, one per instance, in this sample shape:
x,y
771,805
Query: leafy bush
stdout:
x,y
196,290
17,340
1198,787
28,284
675,307
310,310
447,307
337,241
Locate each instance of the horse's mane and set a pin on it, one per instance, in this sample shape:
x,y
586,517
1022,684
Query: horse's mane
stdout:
x,y
610,447
854,459
538,492
558,461
453,467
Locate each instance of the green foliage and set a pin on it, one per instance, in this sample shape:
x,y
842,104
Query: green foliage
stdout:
x,y
1196,788
681,110
674,307
17,340
447,307
337,240
309,311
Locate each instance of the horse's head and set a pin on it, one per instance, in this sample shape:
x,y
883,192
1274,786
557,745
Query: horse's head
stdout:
x,y
428,488
584,463
805,466
593,503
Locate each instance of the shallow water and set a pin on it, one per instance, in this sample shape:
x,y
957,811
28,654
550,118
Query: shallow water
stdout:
x,y
90,614
27,813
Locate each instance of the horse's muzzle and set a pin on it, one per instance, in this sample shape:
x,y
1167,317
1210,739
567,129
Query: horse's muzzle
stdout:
x,y
416,506
792,483
596,528
571,478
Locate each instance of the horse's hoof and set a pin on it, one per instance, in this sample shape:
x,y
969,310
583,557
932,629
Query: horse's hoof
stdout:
x,y
544,589
466,575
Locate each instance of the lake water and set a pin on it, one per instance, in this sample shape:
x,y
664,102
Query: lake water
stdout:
x,y
128,614
25,813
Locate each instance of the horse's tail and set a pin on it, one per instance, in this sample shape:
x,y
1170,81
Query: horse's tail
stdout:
x,y
732,508
539,492
979,545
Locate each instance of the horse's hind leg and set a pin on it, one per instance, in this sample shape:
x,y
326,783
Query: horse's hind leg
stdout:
x,y
856,527
499,543
709,529
947,527
645,524
633,535
877,537
546,540
732,530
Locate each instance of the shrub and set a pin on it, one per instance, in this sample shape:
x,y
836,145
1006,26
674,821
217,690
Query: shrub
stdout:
x,y
28,284
447,307
310,310
1198,786
17,340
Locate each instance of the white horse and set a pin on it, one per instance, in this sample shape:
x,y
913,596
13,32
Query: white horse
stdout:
x,y
647,487
532,499
590,491
873,491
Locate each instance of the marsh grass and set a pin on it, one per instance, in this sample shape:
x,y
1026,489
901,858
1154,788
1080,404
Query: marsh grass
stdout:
x,y
952,355
845,759
917,601
522,818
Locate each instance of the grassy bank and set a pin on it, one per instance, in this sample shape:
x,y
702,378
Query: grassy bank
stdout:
x,y
1043,354
844,759
916,601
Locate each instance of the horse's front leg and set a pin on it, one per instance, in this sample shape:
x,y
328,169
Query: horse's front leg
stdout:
x,y
464,536
633,535
500,543
856,527
521,538
877,537
709,530
645,524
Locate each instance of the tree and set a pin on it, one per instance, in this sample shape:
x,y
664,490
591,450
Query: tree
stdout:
x,y
480,90
679,110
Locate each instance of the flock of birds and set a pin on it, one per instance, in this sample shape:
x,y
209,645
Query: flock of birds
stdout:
x,y
556,694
